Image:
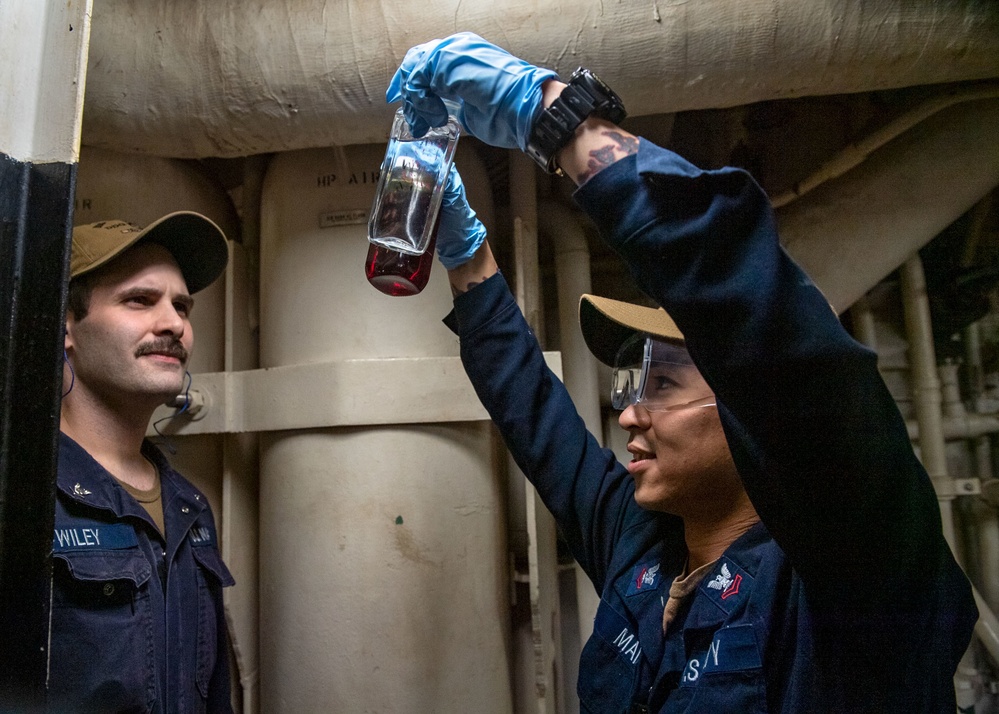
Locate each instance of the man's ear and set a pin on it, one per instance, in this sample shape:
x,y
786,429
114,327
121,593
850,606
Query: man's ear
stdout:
x,y
68,334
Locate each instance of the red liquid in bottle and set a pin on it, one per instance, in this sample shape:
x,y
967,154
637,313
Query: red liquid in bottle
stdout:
x,y
399,274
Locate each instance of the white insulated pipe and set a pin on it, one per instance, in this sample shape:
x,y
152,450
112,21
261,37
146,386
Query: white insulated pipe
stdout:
x,y
969,426
857,152
241,77
564,229
925,388
546,654
927,398
524,209
851,232
863,323
984,510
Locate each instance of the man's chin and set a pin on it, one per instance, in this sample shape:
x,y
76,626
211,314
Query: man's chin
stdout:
x,y
170,396
651,503
163,393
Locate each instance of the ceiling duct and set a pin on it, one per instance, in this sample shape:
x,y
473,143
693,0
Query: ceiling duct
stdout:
x,y
225,78
853,231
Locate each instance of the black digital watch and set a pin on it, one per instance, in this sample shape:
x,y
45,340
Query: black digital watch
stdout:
x,y
584,95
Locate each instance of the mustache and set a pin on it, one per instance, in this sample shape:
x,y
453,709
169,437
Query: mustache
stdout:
x,y
163,346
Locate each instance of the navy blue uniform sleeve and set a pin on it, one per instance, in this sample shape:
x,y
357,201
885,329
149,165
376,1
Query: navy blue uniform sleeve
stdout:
x,y
819,443
587,490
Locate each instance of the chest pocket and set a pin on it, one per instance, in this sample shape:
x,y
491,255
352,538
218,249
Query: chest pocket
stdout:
x,y
212,575
609,663
724,671
102,635
99,580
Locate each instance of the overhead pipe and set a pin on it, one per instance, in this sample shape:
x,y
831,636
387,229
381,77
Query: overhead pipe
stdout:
x,y
853,231
242,77
857,152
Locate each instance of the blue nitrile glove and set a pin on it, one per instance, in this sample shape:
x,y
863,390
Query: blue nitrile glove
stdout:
x,y
499,94
459,232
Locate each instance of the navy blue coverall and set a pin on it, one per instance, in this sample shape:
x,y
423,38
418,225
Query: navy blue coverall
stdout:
x,y
845,597
137,623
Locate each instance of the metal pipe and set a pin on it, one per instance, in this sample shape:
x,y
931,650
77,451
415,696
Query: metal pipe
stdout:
x,y
852,232
927,397
546,613
240,453
973,365
987,627
563,228
986,518
863,323
857,153
925,387
968,426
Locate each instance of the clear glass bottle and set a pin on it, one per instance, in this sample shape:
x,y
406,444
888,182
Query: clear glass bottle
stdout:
x,y
396,273
403,222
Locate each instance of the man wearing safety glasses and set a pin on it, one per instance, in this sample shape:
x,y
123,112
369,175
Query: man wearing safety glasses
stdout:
x,y
658,375
773,545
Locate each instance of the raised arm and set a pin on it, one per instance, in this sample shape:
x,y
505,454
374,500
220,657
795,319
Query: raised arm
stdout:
x,y
818,440
586,489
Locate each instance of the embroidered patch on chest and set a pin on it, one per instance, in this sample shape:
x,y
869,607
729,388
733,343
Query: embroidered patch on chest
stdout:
x,y
618,633
92,535
732,649
727,584
644,578
201,535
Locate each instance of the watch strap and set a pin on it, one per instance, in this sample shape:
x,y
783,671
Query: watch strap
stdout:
x,y
584,95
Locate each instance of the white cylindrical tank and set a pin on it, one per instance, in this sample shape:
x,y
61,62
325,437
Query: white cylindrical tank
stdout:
x,y
383,555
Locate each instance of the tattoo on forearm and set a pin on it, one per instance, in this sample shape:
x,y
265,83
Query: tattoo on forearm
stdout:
x,y
456,291
606,155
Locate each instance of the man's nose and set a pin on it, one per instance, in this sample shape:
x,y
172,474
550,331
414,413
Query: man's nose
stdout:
x,y
633,417
170,321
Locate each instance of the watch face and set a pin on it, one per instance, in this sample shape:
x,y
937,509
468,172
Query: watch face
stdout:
x,y
600,83
606,102
585,94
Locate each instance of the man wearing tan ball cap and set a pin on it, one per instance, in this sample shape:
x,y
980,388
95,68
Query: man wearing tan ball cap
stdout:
x,y
137,618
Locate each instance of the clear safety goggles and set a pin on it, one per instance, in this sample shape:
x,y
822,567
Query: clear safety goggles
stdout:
x,y
657,375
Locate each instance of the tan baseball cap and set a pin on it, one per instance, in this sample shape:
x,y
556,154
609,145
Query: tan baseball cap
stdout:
x,y
607,324
196,243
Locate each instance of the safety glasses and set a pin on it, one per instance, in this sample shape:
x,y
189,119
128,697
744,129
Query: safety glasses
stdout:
x,y
656,375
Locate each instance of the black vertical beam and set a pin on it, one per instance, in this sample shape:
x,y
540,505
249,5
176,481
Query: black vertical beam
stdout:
x,y
35,239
